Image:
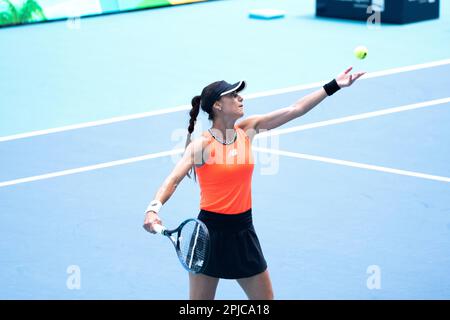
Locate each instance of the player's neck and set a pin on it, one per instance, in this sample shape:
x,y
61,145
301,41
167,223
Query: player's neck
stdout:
x,y
226,128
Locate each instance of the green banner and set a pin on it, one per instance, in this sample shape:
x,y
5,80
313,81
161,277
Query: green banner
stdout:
x,y
15,12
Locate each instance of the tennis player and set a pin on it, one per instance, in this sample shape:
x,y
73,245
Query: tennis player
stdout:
x,y
221,160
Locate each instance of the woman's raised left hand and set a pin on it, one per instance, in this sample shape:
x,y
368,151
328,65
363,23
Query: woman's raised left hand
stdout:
x,y
346,79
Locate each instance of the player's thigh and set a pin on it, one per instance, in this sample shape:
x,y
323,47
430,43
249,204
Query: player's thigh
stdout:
x,y
258,287
202,287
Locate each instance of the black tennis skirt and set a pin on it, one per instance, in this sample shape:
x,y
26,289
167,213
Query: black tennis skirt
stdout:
x,y
235,251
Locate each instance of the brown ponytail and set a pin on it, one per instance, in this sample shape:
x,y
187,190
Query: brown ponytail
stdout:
x,y
193,119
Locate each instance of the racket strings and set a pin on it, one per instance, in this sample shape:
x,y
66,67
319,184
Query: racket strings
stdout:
x,y
193,245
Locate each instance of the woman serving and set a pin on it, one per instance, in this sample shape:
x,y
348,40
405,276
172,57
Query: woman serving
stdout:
x,y
221,159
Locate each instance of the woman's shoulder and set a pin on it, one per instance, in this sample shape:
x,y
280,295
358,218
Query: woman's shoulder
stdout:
x,y
249,123
200,147
203,140
247,132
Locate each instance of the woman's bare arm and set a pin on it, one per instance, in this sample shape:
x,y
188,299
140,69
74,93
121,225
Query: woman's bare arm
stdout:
x,y
281,116
170,184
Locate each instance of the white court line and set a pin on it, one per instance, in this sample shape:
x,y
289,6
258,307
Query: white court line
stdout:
x,y
187,107
92,123
258,149
353,164
91,168
366,115
265,134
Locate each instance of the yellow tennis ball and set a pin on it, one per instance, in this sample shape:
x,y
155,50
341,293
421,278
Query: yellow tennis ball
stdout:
x,y
361,52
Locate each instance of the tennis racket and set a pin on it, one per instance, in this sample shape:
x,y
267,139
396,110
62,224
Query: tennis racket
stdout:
x,y
191,242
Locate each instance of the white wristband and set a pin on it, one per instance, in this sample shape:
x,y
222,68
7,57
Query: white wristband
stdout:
x,y
155,206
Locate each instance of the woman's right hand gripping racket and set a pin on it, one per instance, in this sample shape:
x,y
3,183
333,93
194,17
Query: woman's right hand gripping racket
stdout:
x,y
191,242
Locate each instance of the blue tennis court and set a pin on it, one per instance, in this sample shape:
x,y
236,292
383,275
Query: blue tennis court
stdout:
x,y
94,119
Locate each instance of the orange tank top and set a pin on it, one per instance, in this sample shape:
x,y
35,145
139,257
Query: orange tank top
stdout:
x,y
225,178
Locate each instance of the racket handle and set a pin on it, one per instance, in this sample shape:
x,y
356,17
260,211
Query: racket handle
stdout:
x,y
158,228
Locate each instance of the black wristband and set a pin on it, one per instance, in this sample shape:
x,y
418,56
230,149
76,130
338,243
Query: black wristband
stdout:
x,y
331,87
